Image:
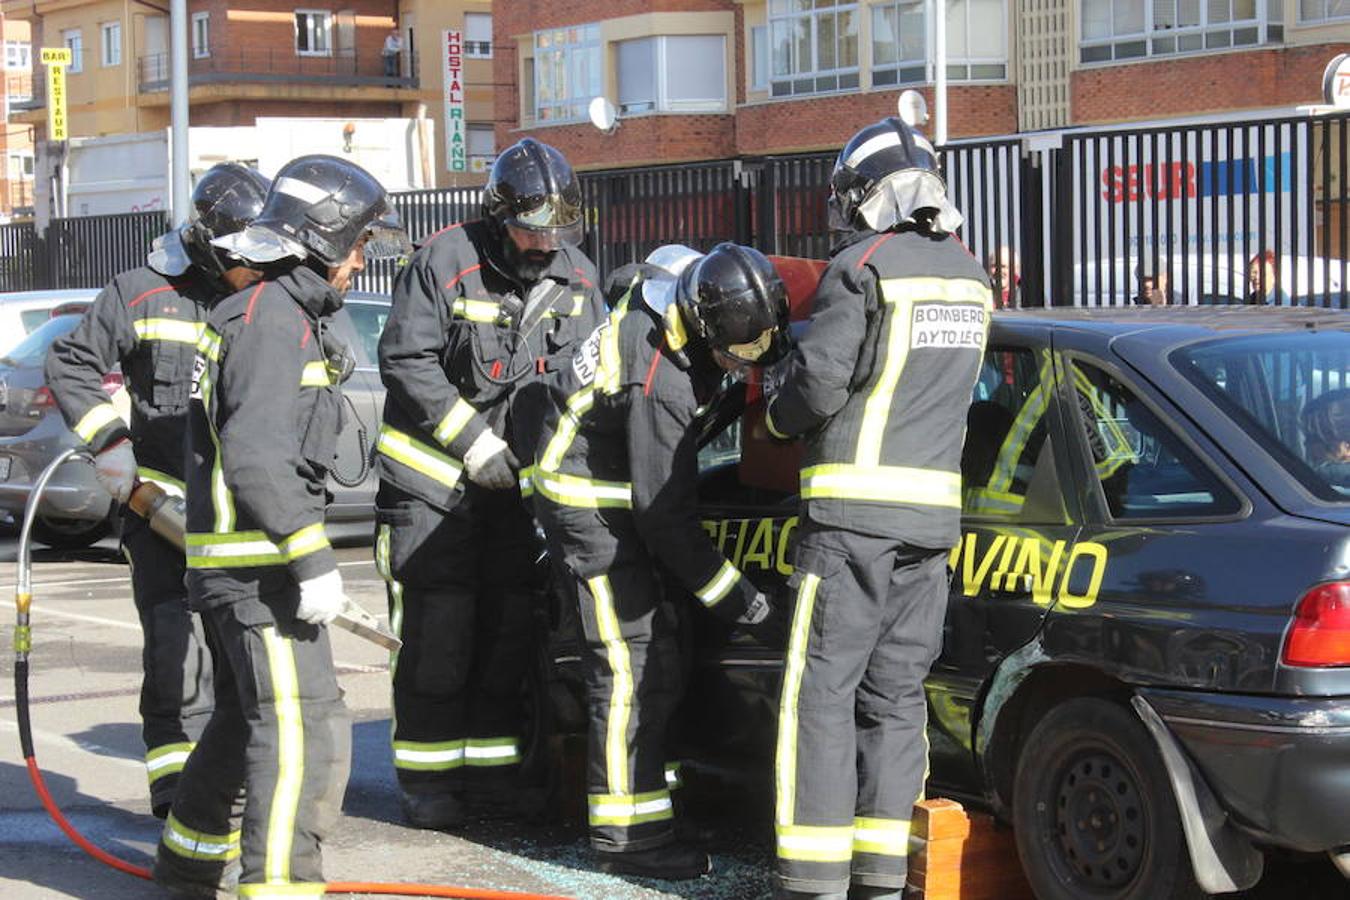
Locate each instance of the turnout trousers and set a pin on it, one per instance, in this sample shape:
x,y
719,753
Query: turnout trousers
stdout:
x,y
279,741
461,587
852,752
632,673
176,688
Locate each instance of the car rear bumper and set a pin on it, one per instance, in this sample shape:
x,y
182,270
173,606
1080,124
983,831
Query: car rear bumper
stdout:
x,y
73,492
1279,765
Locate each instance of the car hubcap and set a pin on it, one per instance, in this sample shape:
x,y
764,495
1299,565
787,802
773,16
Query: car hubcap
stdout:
x,y
1099,821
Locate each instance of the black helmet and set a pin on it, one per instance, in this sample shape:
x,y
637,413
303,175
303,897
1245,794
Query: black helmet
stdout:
x,y
226,199
1326,419
320,207
533,188
873,155
734,300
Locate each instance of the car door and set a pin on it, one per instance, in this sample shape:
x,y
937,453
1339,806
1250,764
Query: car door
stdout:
x,y
358,323
1018,536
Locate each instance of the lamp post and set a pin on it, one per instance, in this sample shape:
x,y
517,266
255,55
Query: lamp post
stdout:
x,y
178,112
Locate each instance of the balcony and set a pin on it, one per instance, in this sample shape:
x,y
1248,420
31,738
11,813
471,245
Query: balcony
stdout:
x,y
278,65
24,92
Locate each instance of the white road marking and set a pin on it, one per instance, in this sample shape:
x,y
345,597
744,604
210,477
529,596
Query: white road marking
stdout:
x,y
51,737
81,617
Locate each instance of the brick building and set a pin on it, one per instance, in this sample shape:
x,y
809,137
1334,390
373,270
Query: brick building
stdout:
x,y
16,140
706,79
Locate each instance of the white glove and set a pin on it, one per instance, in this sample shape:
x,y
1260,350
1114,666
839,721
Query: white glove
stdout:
x,y
115,469
756,611
490,463
321,598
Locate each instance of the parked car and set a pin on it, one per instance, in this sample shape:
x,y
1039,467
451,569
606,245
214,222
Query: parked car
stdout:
x,y
23,311
1146,663
77,512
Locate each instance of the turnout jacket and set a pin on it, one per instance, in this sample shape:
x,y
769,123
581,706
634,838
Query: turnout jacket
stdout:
x,y
880,384
263,424
454,361
149,324
621,436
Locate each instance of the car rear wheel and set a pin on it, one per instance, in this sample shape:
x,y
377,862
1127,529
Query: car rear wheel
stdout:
x,y
70,534
1093,811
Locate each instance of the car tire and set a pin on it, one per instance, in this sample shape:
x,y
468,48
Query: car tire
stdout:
x,y
1093,810
70,534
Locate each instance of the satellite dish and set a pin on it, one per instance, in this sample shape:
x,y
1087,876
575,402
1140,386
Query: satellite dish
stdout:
x,y
603,115
913,108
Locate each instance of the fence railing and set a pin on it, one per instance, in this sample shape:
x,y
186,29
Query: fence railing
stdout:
x,y
1201,207
278,64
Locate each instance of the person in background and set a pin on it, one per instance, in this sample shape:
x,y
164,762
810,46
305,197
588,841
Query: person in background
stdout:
x,y
1326,428
1154,289
393,46
1006,274
148,321
1263,285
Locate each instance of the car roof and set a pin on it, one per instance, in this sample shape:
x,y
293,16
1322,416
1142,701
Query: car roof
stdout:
x,y
47,298
1117,320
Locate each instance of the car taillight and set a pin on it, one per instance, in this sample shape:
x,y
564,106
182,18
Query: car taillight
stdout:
x,y
1320,635
41,401
112,383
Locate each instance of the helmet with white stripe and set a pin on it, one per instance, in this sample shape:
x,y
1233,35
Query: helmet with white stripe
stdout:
x,y
321,207
885,176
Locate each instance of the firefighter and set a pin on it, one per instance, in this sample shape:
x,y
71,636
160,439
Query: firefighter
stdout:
x,y
879,386
484,315
263,425
148,320
616,482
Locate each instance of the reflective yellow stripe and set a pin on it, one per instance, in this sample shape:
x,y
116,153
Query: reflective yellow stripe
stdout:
x,y
884,837
315,374
504,751
418,456
168,482
305,541
167,759
578,303
621,692
569,423
673,779
815,843
92,422
459,415
429,756
282,891
190,843
526,480
629,809
721,584
208,344
882,484
785,757
773,429
290,756
573,490
484,311
232,549
176,330
610,368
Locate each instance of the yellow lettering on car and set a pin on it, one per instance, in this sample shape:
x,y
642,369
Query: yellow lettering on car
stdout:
x,y
1021,563
784,564
747,544
760,552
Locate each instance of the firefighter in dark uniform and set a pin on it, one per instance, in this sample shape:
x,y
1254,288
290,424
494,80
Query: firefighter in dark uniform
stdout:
x,y
879,385
263,425
148,320
484,315
616,487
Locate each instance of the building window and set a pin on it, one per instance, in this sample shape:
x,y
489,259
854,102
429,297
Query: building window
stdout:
x,y
75,41
901,39
567,72
814,50
313,32
201,35
1322,10
1130,29
20,166
673,73
478,35
759,58
110,42
18,56
482,141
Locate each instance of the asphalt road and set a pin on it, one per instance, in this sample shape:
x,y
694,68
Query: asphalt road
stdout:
x,y
85,677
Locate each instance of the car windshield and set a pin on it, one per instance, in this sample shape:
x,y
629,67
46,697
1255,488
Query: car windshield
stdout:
x,y
32,350
1291,392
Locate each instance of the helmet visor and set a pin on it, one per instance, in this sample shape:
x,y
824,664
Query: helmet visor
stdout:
x,y
752,351
554,217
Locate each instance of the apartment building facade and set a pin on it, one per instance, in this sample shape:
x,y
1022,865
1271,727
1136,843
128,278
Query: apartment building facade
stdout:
x,y
708,79
268,59
16,140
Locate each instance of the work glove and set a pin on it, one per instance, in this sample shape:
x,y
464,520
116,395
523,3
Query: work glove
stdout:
x,y
115,469
321,598
490,463
765,621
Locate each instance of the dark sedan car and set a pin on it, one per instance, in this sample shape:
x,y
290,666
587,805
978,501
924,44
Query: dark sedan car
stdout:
x,y
1146,665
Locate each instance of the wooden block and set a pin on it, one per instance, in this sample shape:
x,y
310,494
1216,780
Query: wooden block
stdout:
x,y
956,855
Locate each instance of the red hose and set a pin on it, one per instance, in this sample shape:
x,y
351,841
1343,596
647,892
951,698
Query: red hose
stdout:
x,y
55,812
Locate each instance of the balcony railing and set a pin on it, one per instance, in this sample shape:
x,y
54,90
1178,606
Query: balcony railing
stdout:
x,y
278,65
24,91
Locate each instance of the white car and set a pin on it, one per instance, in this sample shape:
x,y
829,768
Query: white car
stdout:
x,y
22,311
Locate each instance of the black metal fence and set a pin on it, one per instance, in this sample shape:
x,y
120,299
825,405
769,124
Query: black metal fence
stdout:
x,y
1088,216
